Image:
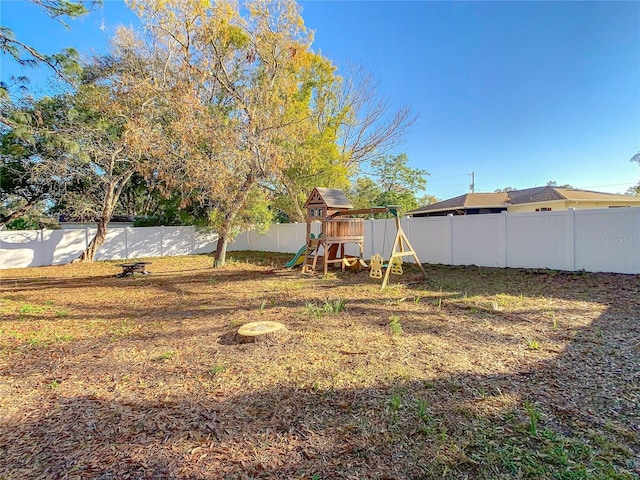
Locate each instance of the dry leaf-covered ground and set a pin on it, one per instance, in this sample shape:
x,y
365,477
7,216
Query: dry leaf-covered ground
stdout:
x,y
473,373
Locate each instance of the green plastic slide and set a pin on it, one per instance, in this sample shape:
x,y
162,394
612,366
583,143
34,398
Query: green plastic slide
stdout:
x,y
298,258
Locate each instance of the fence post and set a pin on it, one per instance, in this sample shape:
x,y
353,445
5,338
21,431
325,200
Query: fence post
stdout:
x,y
450,217
506,239
572,229
162,240
42,247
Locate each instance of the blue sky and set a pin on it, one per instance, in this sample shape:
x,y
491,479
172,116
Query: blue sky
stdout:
x,y
520,93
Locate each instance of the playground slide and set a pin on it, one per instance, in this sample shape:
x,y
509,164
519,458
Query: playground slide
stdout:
x,y
298,258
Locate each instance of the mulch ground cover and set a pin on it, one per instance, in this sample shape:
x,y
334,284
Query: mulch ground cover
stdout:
x,y
472,373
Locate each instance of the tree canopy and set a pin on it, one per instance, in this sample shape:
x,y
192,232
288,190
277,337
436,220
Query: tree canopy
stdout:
x,y
390,182
29,56
214,112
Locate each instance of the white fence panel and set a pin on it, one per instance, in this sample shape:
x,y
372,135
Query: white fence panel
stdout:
x,y
240,243
608,240
205,242
177,241
431,239
540,240
66,245
21,248
115,245
267,242
145,242
292,237
379,236
478,240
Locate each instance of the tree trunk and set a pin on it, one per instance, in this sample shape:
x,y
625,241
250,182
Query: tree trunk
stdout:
x,y
111,196
300,215
221,251
90,252
226,228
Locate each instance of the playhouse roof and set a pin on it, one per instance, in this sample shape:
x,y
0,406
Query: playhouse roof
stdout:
x,y
332,197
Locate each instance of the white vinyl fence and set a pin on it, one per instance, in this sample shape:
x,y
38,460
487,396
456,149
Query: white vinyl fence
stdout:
x,y
602,240
35,248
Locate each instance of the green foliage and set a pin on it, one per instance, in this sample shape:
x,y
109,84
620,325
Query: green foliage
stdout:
x,y
391,182
394,325
330,307
365,193
534,416
216,369
168,355
393,174
23,224
31,161
28,309
64,62
395,402
427,200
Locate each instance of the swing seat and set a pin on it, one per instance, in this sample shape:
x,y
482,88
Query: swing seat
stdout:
x,y
396,266
376,266
352,263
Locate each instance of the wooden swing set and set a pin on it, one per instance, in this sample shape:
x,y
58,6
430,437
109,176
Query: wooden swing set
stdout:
x,y
333,210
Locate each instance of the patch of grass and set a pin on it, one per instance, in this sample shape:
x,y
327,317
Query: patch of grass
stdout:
x,y
334,307
216,369
533,344
168,355
64,337
267,302
311,309
37,340
395,402
29,309
394,325
543,455
62,313
534,416
122,329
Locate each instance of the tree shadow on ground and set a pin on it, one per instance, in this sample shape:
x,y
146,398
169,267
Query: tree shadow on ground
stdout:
x,y
574,415
542,422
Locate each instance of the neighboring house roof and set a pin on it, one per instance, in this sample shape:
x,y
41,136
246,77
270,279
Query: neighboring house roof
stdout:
x,y
464,202
515,197
332,198
550,193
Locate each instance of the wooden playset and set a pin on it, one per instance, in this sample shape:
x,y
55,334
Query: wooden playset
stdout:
x,y
338,229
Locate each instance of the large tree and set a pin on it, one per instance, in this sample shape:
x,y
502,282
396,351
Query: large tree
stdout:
x,y
239,90
364,128
105,122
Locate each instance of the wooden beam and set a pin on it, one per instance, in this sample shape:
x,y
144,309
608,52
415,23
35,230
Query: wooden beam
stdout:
x,y
359,211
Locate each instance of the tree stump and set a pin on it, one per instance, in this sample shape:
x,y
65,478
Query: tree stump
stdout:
x,y
259,331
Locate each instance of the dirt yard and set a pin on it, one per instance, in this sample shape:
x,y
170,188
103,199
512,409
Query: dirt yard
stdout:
x,y
474,373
